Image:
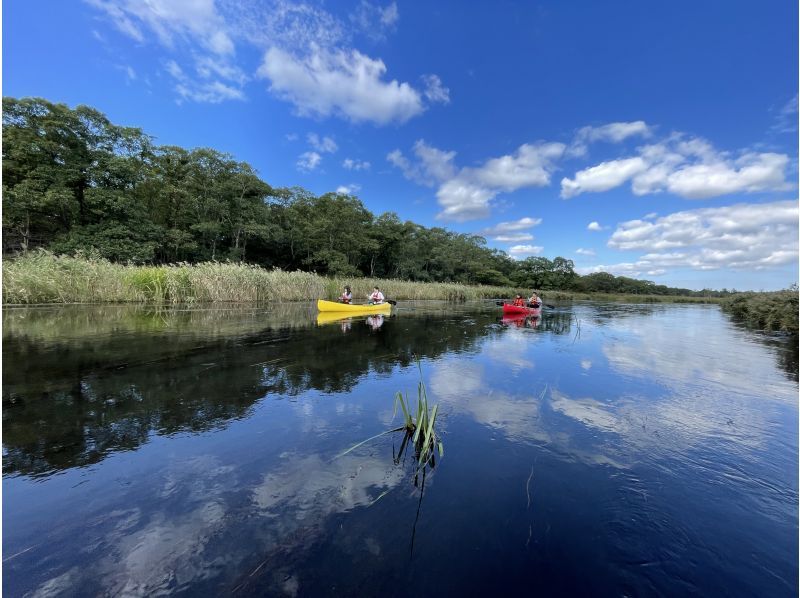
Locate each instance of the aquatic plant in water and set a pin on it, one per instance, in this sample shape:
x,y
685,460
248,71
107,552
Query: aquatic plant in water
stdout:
x,y
419,430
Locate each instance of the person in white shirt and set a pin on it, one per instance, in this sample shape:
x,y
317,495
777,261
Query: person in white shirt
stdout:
x,y
376,298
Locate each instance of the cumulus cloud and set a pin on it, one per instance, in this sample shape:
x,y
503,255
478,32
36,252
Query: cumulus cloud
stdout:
x,y
514,237
741,236
308,161
595,226
432,165
466,193
611,133
322,144
350,189
587,252
342,83
602,177
351,164
688,167
308,58
515,225
520,250
434,91
511,232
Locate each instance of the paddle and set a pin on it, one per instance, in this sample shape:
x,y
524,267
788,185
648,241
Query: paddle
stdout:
x,y
391,302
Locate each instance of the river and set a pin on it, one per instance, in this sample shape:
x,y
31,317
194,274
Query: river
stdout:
x,y
601,449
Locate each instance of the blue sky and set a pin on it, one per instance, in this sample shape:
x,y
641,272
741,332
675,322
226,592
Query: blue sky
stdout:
x,y
654,140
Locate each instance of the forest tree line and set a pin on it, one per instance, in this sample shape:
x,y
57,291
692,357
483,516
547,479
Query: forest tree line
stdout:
x,y
75,182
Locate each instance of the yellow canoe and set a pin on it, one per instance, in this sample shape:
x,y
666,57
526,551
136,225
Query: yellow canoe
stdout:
x,y
333,306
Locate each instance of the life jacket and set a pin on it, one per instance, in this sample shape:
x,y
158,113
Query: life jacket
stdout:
x,y
519,302
346,298
376,296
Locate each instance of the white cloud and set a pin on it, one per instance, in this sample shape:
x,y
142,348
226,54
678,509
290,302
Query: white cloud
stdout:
x,y
741,236
170,20
194,27
616,132
466,194
130,73
342,83
390,14
375,21
350,189
510,232
212,92
208,67
513,237
612,133
434,91
307,54
432,166
688,167
322,144
602,177
515,225
463,200
352,164
520,250
587,252
292,137
786,121
308,161
595,226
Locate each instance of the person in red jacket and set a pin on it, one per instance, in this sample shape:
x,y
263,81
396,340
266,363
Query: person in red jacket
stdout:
x,y
519,301
347,296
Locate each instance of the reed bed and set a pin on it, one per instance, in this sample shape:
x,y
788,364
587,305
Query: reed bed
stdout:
x,y
774,312
41,277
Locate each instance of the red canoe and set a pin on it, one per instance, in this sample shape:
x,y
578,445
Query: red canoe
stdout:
x,y
514,309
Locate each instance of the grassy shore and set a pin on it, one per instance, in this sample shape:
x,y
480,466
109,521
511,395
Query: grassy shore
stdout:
x,y
44,278
774,312
41,277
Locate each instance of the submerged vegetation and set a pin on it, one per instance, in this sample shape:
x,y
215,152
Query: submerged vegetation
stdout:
x,y
773,312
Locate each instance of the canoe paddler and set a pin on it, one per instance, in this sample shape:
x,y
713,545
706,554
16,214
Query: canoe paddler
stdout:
x,y
376,297
518,301
534,301
347,296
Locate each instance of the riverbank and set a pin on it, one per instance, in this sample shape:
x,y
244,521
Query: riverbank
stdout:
x,y
773,312
45,278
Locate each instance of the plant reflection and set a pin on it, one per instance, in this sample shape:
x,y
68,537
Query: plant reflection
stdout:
x,y
98,380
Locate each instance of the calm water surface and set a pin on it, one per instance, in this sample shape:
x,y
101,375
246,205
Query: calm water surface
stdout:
x,y
614,450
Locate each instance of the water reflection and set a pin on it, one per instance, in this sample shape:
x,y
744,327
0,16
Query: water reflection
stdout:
x,y
194,452
72,394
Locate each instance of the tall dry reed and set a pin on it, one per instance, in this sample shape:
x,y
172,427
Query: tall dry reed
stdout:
x,y
41,277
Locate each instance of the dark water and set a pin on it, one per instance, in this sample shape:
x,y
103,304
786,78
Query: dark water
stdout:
x,y
613,450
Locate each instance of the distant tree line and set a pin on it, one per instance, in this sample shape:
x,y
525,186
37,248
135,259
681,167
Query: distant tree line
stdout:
x,y
73,181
